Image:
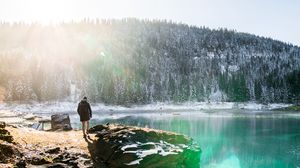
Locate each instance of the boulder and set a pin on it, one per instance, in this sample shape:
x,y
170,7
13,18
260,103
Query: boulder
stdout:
x,y
127,146
2,124
53,150
4,134
60,122
6,137
7,152
7,148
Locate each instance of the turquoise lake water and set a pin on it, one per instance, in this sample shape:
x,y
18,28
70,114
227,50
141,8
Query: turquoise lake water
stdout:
x,y
228,138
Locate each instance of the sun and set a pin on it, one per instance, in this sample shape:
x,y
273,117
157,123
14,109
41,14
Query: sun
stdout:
x,y
46,11
49,11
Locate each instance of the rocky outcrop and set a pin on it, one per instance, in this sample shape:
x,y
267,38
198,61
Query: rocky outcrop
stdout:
x,y
4,134
31,155
60,122
48,157
112,146
127,146
7,148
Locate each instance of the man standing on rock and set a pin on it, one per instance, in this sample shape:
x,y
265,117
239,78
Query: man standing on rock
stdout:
x,y
85,112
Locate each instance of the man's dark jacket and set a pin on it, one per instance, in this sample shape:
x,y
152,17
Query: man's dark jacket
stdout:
x,y
84,110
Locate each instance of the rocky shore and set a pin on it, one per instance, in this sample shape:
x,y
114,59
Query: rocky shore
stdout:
x,y
128,146
25,147
108,146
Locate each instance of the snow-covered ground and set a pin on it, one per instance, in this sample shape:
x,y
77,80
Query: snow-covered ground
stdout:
x,y
58,107
66,107
211,105
28,114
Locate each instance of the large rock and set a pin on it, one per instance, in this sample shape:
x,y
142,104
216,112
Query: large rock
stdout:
x,y
60,122
7,152
126,146
4,134
2,124
7,148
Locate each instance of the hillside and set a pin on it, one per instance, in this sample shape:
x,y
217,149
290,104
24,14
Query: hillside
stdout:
x,y
140,61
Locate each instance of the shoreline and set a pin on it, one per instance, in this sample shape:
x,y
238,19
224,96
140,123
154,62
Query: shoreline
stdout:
x,y
29,115
68,141
106,146
45,148
66,106
65,139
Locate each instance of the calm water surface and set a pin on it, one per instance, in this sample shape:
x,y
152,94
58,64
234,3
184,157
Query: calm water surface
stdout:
x,y
231,139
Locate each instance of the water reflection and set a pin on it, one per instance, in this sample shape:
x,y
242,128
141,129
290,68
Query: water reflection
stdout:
x,y
226,140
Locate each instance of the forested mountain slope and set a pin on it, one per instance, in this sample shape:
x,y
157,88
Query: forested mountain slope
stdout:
x,y
139,61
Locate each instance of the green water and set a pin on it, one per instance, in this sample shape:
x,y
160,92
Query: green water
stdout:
x,y
227,139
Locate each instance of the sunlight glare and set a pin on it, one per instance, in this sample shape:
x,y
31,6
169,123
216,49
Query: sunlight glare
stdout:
x,y
54,11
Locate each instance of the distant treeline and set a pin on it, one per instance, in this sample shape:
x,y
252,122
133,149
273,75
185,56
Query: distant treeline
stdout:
x,y
140,61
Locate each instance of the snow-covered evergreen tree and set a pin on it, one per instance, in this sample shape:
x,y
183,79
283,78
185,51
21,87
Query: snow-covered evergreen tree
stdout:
x,y
140,61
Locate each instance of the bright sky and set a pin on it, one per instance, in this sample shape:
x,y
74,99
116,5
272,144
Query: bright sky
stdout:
x,y
279,19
